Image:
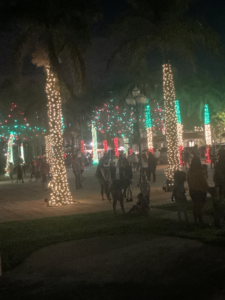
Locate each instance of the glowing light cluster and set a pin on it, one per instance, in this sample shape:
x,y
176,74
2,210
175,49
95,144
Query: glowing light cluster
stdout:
x,y
171,122
94,141
82,146
114,120
22,152
148,124
105,145
126,145
179,131
60,193
116,147
9,153
208,134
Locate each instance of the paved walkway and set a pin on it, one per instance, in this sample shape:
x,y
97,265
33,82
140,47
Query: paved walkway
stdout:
x,y
26,201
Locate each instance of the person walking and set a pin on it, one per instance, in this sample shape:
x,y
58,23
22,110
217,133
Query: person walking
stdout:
x,y
11,171
151,166
77,172
198,188
186,158
157,155
19,173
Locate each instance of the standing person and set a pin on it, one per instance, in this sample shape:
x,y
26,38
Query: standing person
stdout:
x,y
113,171
134,160
198,188
186,158
145,188
195,152
117,194
151,166
77,172
128,177
144,163
179,194
157,155
33,170
219,175
11,171
19,173
120,165
104,183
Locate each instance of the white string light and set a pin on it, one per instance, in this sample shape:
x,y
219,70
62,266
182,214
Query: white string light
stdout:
x,y
60,193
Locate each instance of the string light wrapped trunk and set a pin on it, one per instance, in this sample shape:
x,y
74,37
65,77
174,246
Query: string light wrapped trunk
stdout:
x,y
94,142
48,151
179,131
60,193
148,124
9,153
171,122
208,134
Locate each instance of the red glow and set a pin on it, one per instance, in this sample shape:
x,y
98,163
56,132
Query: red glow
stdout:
x,y
105,145
116,146
82,146
207,155
181,148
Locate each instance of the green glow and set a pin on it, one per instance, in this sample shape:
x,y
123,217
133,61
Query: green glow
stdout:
x,y
206,114
148,122
177,106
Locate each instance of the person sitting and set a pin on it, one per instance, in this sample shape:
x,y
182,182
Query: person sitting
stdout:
x,y
141,207
145,188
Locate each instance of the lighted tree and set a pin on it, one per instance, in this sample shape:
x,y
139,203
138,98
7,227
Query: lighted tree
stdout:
x,y
208,134
171,122
149,128
163,24
60,193
179,130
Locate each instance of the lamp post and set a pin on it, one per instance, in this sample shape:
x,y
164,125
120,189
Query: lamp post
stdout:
x,y
136,100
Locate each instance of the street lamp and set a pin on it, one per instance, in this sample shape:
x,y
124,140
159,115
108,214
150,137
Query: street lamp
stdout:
x,y
136,100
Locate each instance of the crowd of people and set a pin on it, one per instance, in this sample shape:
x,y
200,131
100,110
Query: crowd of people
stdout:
x,y
39,170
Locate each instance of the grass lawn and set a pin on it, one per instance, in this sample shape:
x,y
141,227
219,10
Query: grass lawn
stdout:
x,y
21,238
208,207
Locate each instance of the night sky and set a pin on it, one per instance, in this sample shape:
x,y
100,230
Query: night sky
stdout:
x,y
212,11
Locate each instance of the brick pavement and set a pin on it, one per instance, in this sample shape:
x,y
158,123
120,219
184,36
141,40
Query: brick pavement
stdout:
x,y
26,201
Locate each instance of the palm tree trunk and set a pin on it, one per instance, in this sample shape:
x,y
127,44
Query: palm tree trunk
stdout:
x,y
60,194
171,122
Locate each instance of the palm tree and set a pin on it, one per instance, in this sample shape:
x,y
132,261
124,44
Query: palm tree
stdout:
x,y
54,28
163,24
196,91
